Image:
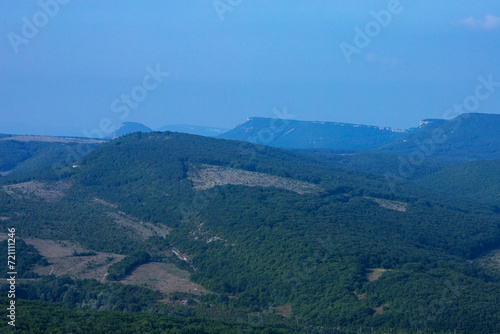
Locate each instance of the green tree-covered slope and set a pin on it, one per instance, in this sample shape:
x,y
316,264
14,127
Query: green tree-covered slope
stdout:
x,y
275,246
475,180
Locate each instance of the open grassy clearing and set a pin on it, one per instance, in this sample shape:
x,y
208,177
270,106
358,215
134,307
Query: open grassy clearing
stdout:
x,y
49,192
143,229
391,205
490,260
51,139
63,261
164,277
208,176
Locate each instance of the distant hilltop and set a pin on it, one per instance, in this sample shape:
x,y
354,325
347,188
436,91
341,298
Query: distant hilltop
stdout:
x,y
467,137
476,133
311,134
130,127
334,123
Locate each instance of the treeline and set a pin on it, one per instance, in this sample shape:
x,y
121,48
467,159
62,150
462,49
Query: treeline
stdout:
x,y
89,293
59,319
123,268
26,257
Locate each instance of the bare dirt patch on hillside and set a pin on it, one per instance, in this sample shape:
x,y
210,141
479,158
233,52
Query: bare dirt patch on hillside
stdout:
x,y
143,229
374,274
62,259
50,192
164,277
391,205
284,310
490,260
105,203
359,296
208,176
49,139
380,310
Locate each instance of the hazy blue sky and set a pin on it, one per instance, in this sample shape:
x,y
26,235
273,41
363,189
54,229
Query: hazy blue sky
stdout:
x,y
66,72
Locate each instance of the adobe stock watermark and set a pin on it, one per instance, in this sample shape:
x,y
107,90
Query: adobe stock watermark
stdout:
x,y
425,148
223,6
32,26
372,29
126,102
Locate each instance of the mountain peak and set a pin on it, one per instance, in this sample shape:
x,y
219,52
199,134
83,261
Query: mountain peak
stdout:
x,y
129,127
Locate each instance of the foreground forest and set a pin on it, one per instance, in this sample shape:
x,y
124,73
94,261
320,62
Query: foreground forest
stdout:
x,y
266,241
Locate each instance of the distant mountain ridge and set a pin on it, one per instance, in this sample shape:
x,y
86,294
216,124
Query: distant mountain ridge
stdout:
x,y
311,135
467,137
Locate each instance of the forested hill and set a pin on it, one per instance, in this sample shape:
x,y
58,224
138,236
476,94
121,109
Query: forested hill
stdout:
x,y
287,133
266,230
248,216
139,169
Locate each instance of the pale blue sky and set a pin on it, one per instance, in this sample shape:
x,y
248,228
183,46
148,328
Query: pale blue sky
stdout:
x,y
263,55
